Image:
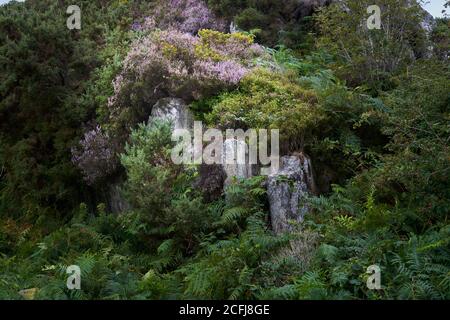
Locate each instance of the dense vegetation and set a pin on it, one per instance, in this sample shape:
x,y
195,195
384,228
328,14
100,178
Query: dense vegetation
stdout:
x,y
371,108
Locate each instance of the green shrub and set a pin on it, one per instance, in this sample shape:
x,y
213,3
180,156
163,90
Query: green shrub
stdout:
x,y
267,100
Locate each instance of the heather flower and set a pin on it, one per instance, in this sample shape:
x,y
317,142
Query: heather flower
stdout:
x,y
229,73
186,16
136,26
149,24
95,156
171,63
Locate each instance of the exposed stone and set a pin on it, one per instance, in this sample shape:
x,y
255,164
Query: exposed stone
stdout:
x,y
115,200
211,177
230,161
287,190
210,181
233,27
175,110
306,164
172,109
428,22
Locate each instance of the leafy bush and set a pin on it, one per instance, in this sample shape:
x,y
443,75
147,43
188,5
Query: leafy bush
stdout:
x,y
269,100
159,191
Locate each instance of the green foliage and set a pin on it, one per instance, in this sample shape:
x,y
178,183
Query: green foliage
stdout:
x,y
116,262
371,109
313,109
49,89
394,215
440,37
160,193
419,127
371,57
412,266
269,100
273,22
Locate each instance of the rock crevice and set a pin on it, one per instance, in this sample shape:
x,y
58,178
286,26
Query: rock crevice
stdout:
x,y
288,190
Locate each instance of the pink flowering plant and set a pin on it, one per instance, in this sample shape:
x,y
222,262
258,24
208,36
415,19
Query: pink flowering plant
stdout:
x,y
186,16
172,63
178,52
95,156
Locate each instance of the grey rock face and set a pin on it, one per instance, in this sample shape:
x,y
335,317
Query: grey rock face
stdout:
x,y
175,110
116,202
210,181
236,169
233,27
287,190
428,22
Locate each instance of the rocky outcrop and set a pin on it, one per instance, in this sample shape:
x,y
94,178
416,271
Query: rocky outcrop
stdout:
x,y
213,179
115,201
175,110
287,191
428,22
236,169
210,181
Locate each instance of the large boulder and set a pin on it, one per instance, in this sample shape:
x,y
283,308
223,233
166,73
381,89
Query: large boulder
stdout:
x,y
214,178
287,192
